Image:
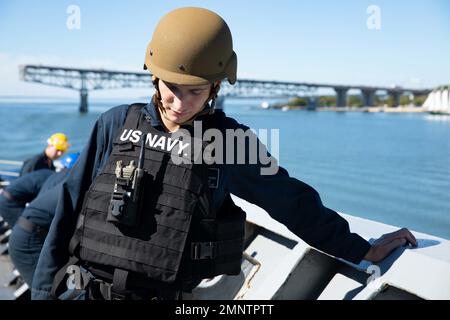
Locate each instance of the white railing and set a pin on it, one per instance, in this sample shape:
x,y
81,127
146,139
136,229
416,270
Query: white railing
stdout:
x,y
7,172
11,163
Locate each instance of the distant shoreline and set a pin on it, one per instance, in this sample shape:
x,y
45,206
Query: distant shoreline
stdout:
x,y
400,109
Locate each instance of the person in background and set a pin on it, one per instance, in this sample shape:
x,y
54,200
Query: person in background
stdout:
x,y
57,145
24,189
28,234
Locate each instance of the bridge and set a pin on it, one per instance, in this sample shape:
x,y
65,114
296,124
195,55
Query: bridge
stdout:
x,y
85,80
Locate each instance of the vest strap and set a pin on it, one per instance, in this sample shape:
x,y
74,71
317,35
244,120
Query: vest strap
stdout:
x,y
203,250
120,280
213,249
134,115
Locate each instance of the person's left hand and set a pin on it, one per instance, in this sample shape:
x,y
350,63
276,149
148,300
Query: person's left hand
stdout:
x,y
383,246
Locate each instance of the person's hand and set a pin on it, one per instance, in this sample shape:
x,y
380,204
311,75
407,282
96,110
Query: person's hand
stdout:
x,y
388,242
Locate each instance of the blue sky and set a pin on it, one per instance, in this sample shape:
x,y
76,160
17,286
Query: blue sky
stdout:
x,y
311,41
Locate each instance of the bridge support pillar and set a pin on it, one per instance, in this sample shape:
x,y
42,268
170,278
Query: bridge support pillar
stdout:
x,y
312,103
395,96
83,101
368,97
341,97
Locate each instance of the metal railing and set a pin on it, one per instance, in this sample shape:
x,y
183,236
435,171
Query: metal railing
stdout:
x,y
8,173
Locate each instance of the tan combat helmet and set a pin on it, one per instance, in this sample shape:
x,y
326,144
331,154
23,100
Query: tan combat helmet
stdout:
x,y
192,46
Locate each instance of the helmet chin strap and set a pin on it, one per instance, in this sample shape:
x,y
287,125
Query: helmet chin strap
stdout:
x,y
209,108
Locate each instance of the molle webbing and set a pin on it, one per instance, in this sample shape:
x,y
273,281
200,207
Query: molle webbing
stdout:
x,y
177,203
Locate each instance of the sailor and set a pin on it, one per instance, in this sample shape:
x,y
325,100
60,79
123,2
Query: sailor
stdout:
x,y
25,188
21,191
132,224
28,234
57,145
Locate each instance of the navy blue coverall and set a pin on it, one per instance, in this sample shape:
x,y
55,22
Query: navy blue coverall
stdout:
x,y
39,161
21,191
288,200
28,235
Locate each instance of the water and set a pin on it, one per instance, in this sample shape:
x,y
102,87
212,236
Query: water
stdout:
x,y
392,168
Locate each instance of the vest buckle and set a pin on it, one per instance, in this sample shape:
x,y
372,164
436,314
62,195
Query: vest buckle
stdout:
x,y
203,250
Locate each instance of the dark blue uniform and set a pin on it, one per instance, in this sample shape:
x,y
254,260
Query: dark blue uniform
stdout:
x,y
20,192
28,235
39,161
288,200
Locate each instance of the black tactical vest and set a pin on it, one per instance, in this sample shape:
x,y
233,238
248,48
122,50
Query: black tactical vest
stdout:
x,y
177,232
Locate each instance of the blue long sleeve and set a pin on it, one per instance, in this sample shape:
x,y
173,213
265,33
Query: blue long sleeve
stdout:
x,y
92,159
296,205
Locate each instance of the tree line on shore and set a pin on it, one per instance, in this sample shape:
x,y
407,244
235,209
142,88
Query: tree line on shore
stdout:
x,y
357,101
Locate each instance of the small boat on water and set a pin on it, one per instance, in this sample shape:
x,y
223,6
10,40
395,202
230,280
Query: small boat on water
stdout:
x,y
265,105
